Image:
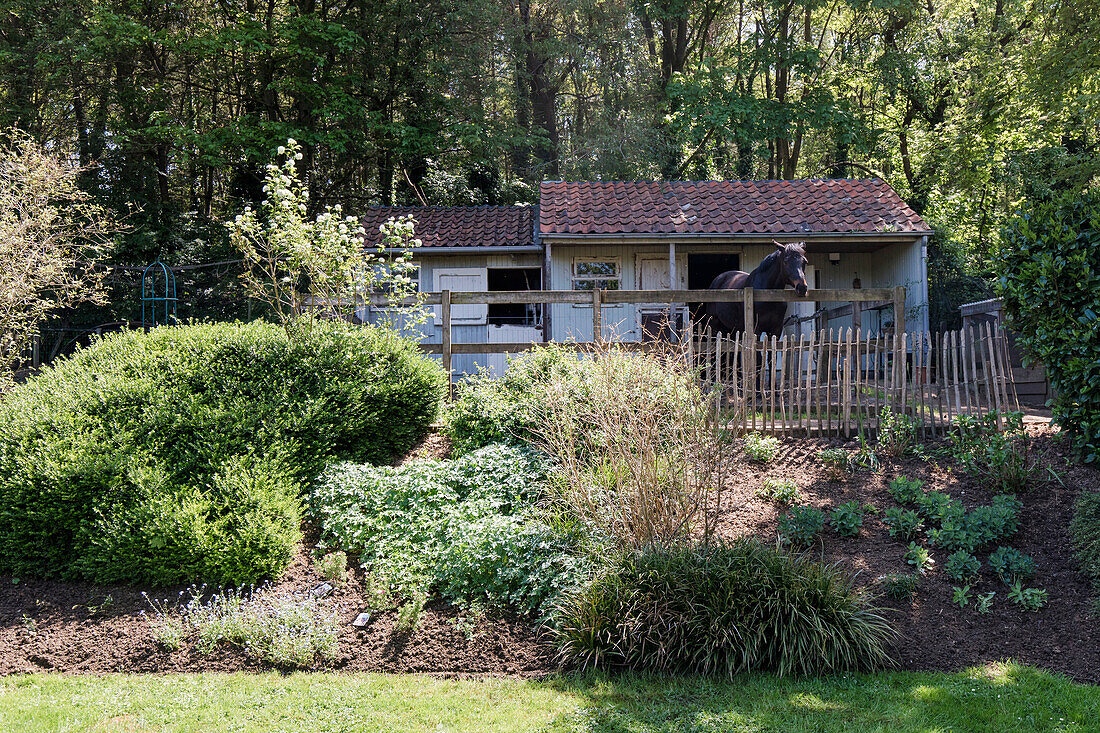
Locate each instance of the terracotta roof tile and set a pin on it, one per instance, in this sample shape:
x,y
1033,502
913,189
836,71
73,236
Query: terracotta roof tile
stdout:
x,y
724,207
458,226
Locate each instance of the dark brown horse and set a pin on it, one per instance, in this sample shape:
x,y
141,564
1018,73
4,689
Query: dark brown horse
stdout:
x,y
786,266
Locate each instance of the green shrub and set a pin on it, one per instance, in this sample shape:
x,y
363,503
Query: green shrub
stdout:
x,y
781,491
905,490
761,448
504,409
835,460
897,433
800,525
1029,599
999,456
1049,268
1085,529
935,506
961,566
179,454
1011,565
899,586
902,523
463,527
721,609
918,557
847,518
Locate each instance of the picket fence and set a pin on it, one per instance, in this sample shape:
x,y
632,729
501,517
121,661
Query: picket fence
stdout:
x,y
838,383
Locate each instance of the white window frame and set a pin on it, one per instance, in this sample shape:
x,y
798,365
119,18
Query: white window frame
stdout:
x,y
575,278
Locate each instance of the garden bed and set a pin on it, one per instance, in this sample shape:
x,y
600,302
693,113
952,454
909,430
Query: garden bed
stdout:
x,y
68,627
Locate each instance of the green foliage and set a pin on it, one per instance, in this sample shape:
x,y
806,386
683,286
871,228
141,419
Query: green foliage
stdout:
x,y
464,527
1049,268
181,453
761,448
504,409
960,596
897,433
900,586
333,566
408,613
835,459
781,491
999,456
1085,529
902,524
905,490
961,566
722,609
935,506
847,518
984,603
918,557
1011,565
1029,599
800,525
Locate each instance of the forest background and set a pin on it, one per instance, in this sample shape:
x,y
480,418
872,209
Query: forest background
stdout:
x,y
969,108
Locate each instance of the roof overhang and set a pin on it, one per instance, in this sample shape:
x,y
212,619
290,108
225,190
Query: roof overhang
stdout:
x,y
482,250
815,241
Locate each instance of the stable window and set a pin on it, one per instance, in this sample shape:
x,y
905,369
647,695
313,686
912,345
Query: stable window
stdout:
x,y
514,278
590,273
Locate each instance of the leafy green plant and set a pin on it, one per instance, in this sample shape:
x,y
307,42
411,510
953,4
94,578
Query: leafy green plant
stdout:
x,y
466,528
333,566
863,458
1029,599
800,525
1000,456
1011,565
899,586
182,453
918,557
847,518
408,613
984,603
781,491
902,523
1047,264
960,596
835,460
905,490
935,506
897,433
961,566
722,609
761,448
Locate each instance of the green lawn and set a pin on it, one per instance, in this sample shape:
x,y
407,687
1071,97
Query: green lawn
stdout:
x,y
995,698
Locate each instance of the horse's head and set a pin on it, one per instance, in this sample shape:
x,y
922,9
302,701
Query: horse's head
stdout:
x,y
792,263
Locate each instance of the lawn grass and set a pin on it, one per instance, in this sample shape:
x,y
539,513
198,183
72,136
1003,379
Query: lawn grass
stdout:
x,y
1000,697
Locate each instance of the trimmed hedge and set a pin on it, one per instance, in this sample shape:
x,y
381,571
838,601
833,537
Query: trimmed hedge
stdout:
x,y
1050,284
180,454
722,610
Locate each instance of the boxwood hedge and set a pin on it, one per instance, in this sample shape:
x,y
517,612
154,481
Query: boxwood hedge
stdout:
x,y
181,454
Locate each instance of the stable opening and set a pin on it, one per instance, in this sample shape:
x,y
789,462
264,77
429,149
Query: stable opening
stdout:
x,y
514,278
703,268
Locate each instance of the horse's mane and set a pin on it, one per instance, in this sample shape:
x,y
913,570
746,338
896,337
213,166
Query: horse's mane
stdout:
x,y
799,247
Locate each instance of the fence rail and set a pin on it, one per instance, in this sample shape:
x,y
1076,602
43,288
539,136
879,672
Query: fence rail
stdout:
x,y
838,383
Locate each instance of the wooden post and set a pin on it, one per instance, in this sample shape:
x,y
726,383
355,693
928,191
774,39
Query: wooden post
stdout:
x,y
597,315
750,314
857,314
36,350
899,309
445,309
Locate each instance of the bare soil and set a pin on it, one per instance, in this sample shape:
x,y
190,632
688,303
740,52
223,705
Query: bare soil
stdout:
x,y
67,627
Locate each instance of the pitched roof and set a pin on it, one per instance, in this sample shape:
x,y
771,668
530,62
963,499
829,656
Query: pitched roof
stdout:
x,y
458,226
725,207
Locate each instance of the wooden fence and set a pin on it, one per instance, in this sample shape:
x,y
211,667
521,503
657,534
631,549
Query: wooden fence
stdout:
x,y
837,383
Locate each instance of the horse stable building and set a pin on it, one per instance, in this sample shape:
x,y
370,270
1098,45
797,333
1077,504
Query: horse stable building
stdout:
x,y
643,235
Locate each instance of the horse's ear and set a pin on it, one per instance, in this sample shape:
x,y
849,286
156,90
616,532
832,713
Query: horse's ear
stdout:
x,y
778,246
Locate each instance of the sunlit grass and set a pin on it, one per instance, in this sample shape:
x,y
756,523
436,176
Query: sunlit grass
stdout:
x,y
995,697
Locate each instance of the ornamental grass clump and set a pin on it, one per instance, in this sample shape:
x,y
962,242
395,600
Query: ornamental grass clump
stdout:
x,y
721,609
639,448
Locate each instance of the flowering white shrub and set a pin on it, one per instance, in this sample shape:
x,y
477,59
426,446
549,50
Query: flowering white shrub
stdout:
x,y
304,269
